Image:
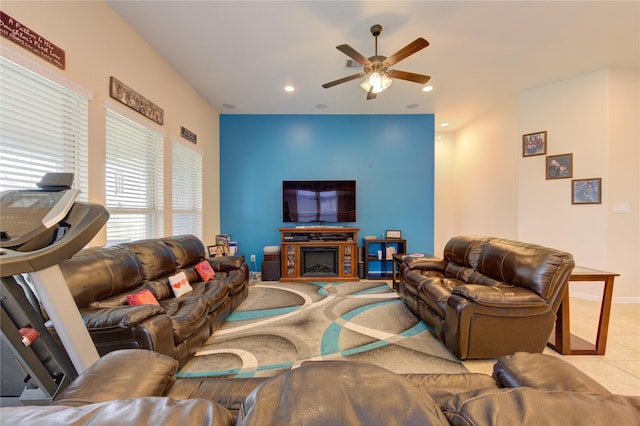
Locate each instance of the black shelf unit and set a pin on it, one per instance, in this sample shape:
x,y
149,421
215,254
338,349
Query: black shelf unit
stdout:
x,y
381,269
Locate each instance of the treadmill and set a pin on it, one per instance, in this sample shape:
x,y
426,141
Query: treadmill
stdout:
x,y
40,228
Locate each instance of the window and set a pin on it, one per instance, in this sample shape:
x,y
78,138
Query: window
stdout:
x,y
43,128
134,181
187,190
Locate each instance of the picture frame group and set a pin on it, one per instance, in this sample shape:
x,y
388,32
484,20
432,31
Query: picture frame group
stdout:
x,y
560,166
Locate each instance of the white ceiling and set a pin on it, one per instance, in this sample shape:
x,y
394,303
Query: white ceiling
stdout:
x,y
242,53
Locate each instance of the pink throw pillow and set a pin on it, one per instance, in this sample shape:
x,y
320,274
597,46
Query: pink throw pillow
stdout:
x,y
205,271
144,297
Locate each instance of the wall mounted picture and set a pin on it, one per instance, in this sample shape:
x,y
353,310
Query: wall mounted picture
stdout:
x,y
124,94
586,191
534,144
559,166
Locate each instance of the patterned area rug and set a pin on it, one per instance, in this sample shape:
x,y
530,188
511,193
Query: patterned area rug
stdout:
x,y
280,325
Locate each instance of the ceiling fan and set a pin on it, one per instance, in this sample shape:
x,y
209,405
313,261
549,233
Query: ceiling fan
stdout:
x,y
376,68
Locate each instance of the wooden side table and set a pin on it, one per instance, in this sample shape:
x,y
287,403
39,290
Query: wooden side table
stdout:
x,y
562,341
398,258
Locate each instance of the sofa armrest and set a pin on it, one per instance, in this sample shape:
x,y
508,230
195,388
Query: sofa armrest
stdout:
x,y
499,296
425,263
121,374
119,316
226,263
543,372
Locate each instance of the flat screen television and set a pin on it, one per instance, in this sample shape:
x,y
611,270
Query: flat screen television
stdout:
x,y
318,201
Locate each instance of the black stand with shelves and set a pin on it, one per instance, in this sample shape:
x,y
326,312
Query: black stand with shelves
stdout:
x,y
378,262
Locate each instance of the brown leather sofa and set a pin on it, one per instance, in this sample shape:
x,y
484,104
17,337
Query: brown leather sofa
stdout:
x,y
488,297
101,280
140,387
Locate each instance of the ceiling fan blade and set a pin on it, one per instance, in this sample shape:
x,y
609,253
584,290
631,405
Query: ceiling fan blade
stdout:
x,y
408,50
354,54
409,76
344,80
371,95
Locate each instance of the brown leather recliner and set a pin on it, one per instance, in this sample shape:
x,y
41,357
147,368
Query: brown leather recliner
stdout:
x,y
488,297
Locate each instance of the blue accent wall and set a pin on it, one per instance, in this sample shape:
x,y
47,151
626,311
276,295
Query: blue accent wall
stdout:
x,y
390,157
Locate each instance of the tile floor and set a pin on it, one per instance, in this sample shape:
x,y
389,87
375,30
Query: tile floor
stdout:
x,y
619,369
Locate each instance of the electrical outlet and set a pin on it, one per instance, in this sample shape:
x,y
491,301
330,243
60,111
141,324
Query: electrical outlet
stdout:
x,y
253,257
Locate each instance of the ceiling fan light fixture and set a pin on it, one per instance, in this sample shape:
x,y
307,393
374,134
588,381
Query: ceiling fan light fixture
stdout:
x,y
377,81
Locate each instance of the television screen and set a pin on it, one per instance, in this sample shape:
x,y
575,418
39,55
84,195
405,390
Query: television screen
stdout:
x,y
318,201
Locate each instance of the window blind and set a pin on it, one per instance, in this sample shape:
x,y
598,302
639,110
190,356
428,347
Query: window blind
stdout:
x,y
43,128
186,177
134,180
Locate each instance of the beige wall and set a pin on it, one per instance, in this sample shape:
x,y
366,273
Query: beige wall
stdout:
x,y
476,190
498,192
99,44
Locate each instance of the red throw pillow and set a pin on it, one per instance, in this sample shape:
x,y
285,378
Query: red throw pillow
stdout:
x,y
205,271
144,297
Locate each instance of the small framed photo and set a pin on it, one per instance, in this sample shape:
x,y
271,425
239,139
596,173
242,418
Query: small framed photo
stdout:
x,y
534,144
586,191
392,234
216,250
559,166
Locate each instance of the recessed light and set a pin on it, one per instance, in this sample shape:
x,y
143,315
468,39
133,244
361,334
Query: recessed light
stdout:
x,y
412,106
321,106
427,88
444,124
289,88
229,106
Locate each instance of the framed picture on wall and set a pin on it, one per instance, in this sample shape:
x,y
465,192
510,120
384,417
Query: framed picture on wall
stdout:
x,y
559,166
586,191
534,144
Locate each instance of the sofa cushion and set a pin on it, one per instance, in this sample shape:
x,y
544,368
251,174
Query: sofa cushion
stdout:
x,y
156,258
186,249
138,411
544,372
435,292
187,316
526,406
339,393
96,274
524,265
214,293
140,373
465,250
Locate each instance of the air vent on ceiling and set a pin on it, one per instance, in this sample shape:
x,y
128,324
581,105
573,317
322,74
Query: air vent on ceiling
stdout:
x,y
350,63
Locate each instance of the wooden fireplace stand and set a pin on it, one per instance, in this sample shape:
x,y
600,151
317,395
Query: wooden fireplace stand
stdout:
x,y
294,239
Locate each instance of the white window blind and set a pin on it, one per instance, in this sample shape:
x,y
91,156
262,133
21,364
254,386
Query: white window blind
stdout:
x,y
186,176
43,128
134,181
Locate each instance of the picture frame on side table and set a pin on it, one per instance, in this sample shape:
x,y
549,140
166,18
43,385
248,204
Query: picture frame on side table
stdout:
x,y
560,166
586,191
393,234
216,250
534,144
